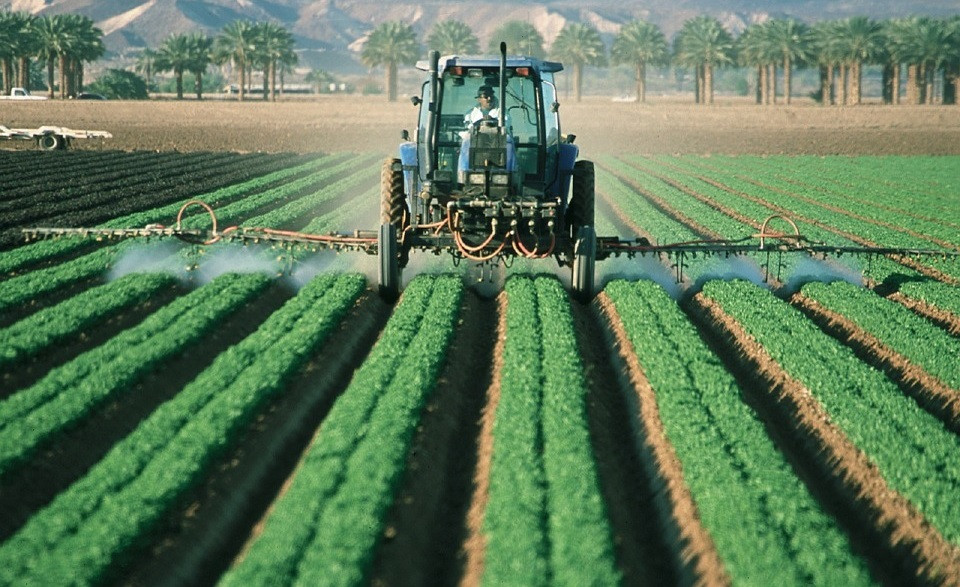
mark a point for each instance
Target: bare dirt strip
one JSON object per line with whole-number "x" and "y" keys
{"x": 946, "y": 320}
{"x": 428, "y": 523}
{"x": 475, "y": 544}
{"x": 196, "y": 542}
{"x": 903, "y": 544}
{"x": 697, "y": 560}
{"x": 930, "y": 392}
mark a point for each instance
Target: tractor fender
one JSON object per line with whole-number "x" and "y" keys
{"x": 409, "y": 160}
{"x": 568, "y": 157}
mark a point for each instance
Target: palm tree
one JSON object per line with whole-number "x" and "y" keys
{"x": 703, "y": 44}
{"x": 175, "y": 55}
{"x": 235, "y": 44}
{"x": 391, "y": 44}
{"x": 272, "y": 44}
{"x": 579, "y": 44}
{"x": 788, "y": 38}
{"x": 755, "y": 48}
{"x": 9, "y": 35}
{"x": 53, "y": 39}
{"x": 86, "y": 46}
{"x": 825, "y": 50}
{"x": 18, "y": 44}
{"x": 145, "y": 65}
{"x": 522, "y": 38}
{"x": 859, "y": 40}
{"x": 200, "y": 51}
{"x": 453, "y": 37}
{"x": 640, "y": 43}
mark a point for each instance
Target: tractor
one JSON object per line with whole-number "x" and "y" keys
{"x": 488, "y": 187}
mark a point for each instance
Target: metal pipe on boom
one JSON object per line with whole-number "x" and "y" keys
{"x": 431, "y": 162}
{"x": 503, "y": 87}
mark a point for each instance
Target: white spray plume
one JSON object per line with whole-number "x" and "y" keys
{"x": 229, "y": 258}
{"x": 644, "y": 267}
{"x": 731, "y": 268}
{"x": 810, "y": 269}
{"x": 155, "y": 257}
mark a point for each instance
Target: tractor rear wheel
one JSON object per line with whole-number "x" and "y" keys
{"x": 388, "y": 269}
{"x": 584, "y": 261}
{"x": 580, "y": 210}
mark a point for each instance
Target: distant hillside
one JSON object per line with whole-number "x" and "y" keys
{"x": 330, "y": 32}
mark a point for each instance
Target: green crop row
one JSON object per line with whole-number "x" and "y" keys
{"x": 87, "y": 528}
{"x": 325, "y": 528}
{"x": 70, "y": 392}
{"x": 545, "y": 520}
{"x": 941, "y": 295}
{"x": 922, "y": 343}
{"x": 48, "y": 249}
{"x": 19, "y": 290}
{"x": 822, "y": 191}
{"x": 72, "y": 317}
{"x": 765, "y": 523}
{"x": 837, "y": 220}
{"x": 913, "y": 450}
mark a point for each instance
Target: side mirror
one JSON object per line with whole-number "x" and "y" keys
{"x": 571, "y": 138}
{"x": 416, "y": 100}
{"x": 405, "y": 135}
{"x": 555, "y": 107}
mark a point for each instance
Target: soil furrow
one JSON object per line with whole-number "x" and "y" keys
{"x": 427, "y": 526}
{"x": 694, "y": 557}
{"x": 69, "y": 456}
{"x": 475, "y": 543}
{"x": 903, "y": 546}
{"x": 642, "y": 554}
{"x": 930, "y": 392}
{"x": 202, "y": 537}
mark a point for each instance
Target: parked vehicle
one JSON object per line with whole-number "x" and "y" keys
{"x": 21, "y": 94}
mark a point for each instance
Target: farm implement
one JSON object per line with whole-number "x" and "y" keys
{"x": 490, "y": 180}
{"x": 51, "y": 138}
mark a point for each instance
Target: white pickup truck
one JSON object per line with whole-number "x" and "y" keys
{"x": 21, "y": 94}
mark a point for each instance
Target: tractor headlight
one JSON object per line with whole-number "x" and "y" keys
{"x": 500, "y": 179}
{"x": 476, "y": 178}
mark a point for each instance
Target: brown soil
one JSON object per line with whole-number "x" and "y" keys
{"x": 199, "y": 540}
{"x": 427, "y": 525}
{"x": 911, "y": 548}
{"x": 370, "y": 123}
{"x": 475, "y": 544}
{"x": 696, "y": 559}
{"x": 930, "y": 392}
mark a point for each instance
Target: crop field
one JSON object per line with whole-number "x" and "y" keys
{"x": 173, "y": 413}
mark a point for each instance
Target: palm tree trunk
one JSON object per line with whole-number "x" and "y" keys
{"x": 922, "y": 83}
{"x": 699, "y": 84}
{"x": 24, "y": 73}
{"x": 708, "y": 83}
{"x": 273, "y": 80}
{"x": 198, "y": 84}
{"x": 63, "y": 76}
{"x": 949, "y": 73}
{"x": 773, "y": 82}
{"x": 844, "y": 83}
{"x": 179, "y": 74}
{"x": 895, "y": 84}
{"x": 857, "y": 83}
{"x": 391, "y": 81}
{"x": 641, "y": 82}
{"x": 578, "y": 81}
{"x": 5, "y": 72}
{"x": 928, "y": 79}
{"x": 913, "y": 93}
{"x": 761, "y": 78}
{"x": 786, "y": 79}
{"x": 825, "y": 71}
{"x": 50, "y": 78}
{"x": 243, "y": 80}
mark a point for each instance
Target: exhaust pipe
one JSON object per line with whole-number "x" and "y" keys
{"x": 503, "y": 86}
{"x": 431, "y": 163}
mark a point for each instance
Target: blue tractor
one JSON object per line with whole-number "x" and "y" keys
{"x": 488, "y": 185}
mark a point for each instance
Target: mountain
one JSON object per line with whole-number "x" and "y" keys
{"x": 330, "y": 32}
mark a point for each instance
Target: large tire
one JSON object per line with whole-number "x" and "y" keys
{"x": 388, "y": 270}
{"x": 393, "y": 202}
{"x": 580, "y": 210}
{"x": 51, "y": 142}
{"x": 584, "y": 262}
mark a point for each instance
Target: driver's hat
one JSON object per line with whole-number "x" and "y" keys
{"x": 485, "y": 91}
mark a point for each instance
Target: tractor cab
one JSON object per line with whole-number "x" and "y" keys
{"x": 487, "y": 174}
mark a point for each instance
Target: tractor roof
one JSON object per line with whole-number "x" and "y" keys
{"x": 492, "y": 61}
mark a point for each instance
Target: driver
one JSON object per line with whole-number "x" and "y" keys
{"x": 486, "y": 108}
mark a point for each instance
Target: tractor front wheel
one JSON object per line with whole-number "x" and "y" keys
{"x": 388, "y": 255}
{"x": 580, "y": 210}
{"x": 584, "y": 261}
